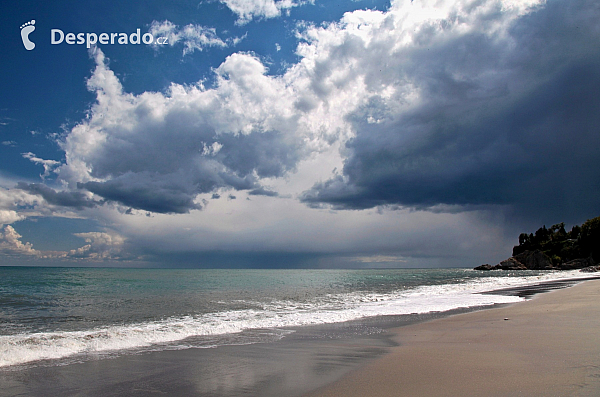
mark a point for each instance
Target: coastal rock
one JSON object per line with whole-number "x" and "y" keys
{"x": 485, "y": 267}
{"x": 534, "y": 260}
{"x": 579, "y": 263}
{"x": 510, "y": 264}
{"x": 591, "y": 269}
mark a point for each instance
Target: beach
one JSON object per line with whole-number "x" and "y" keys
{"x": 546, "y": 346}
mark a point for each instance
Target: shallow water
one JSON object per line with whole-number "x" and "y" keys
{"x": 62, "y": 315}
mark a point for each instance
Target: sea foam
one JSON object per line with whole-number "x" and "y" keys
{"x": 275, "y": 315}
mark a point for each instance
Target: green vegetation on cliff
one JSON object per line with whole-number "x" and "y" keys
{"x": 562, "y": 246}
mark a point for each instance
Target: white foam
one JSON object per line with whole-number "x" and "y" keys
{"x": 24, "y": 348}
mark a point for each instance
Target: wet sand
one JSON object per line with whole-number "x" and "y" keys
{"x": 309, "y": 358}
{"x": 547, "y": 346}
{"x": 303, "y": 361}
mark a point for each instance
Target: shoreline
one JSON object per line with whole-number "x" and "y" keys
{"x": 311, "y": 358}
{"x": 546, "y": 346}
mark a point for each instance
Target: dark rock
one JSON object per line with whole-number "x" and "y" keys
{"x": 578, "y": 263}
{"x": 535, "y": 260}
{"x": 591, "y": 269}
{"x": 484, "y": 267}
{"x": 510, "y": 264}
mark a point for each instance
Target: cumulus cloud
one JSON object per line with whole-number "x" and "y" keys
{"x": 466, "y": 103}
{"x": 9, "y": 216}
{"x": 35, "y": 199}
{"x": 158, "y": 151}
{"x": 10, "y": 244}
{"x": 246, "y": 10}
{"x": 193, "y": 37}
{"x": 26, "y": 200}
{"x": 437, "y": 104}
{"x": 100, "y": 246}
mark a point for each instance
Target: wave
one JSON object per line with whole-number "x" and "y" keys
{"x": 272, "y": 316}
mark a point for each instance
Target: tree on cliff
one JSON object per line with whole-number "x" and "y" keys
{"x": 562, "y": 246}
{"x": 589, "y": 240}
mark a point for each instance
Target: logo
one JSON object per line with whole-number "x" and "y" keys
{"x": 26, "y": 29}
{"x": 57, "y": 36}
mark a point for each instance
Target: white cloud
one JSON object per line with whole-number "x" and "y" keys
{"x": 49, "y": 165}
{"x": 157, "y": 151}
{"x": 15, "y": 205}
{"x": 6, "y": 120}
{"x": 193, "y": 37}
{"x": 246, "y": 10}
{"x": 9, "y": 216}
{"x": 101, "y": 246}
{"x": 10, "y": 244}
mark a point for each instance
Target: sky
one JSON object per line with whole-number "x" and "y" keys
{"x": 294, "y": 133}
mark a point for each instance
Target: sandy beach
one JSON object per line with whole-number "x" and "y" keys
{"x": 547, "y": 346}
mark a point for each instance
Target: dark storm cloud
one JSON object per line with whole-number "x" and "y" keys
{"x": 73, "y": 199}
{"x": 512, "y": 121}
{"x": 167, "y": 190}
{"x": 146, "y": 195}
{"x": 263, "y": 192}
{"x": 269, "y": 153}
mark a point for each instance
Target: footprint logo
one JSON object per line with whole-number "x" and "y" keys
{"x": 27, "y": 28}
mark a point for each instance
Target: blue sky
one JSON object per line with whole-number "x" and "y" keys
{"x": 295, "y": 133}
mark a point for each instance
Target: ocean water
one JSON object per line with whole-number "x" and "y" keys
{"x": 53, "y": 316}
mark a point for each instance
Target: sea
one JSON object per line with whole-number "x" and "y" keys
{"x": 57, "y": 316}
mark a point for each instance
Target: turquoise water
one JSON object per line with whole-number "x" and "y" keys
{"x": 55, "y": 313}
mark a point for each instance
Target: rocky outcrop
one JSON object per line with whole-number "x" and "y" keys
{"x": 579, "y": 263}
{"x": 591, "y": 269}
{"x": 508, "y": 264}
{"x": 511, "y": 264}
{"x": 484, "y": 267}
{"x": 528, "y": 260}
{"x": 535, "y": 260}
